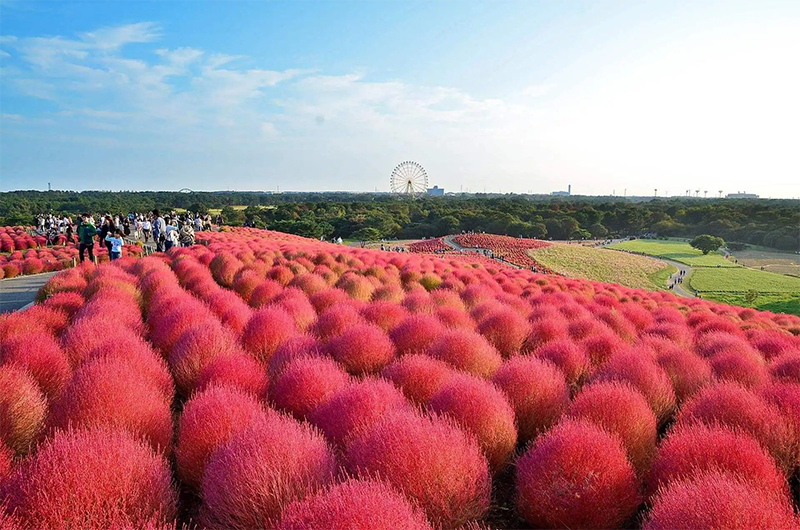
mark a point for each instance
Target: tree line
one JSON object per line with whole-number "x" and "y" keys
{"x": 772, "y": 223}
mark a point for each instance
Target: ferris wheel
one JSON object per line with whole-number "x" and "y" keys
{"x": 409, "y": 178}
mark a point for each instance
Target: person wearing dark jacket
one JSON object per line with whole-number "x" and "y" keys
{"x": 86, "y": 233}
{"x": 105, "y": 229}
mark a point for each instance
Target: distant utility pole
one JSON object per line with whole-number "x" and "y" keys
{"x": 720, "y": 194}
{"x": 696, "y": 193}
{"x": 705, "y": 194}
{"x": 48, "y": 187}
{"x": 656, "y": 190}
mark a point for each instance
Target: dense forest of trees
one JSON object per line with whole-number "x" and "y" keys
{"x": 772, "y": 223}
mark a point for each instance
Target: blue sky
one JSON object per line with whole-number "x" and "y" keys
{"x": 502, "y": 96}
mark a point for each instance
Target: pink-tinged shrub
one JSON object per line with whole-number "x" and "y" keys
{"x": 356, "y": 407}
{"x": 354, "y": 504}
{"x": 22, "y": 409}
{"x": 296, "y": 305}
{"x": 419, "y": 302}
{"x": 785, "y": 396}
{"x": 67, "y": 302}
{"x": 224, "y": 267}
{"x": 42, "y": 357}
{"x": 600, "y": 348}
{"x": 272, "y": 462}
{"x": 749, "y": 371}
{"x": 198, "y": 347}
{"x": 306, "y": 382}
{"x": 415, "y": 333}
{"x": 506, "y": 330}
{"x": 32, "y": 266}
{"x": 264, "y": 293}
{"x": 280, "y": 274}
{"x": 6, "y": 455}
{"x": 623, "y": 411}
{"x": 231, "y": 310}
{"x": 679, "y": 334}
{"x": 86, "y": 335}
{"x": 719, "y": 500}
{"x": 576, "y": 476}
{"x": 268, "y": 328}
{"x": 310, "y": 284}
{"x": 476, "y": 294}
{"x": 294, "y": 348}
{"x": 418, "y": 376}
{"x": 238, "y": 371}
{"x": 536, "y": 390}
{"x": 335, "y": 320}
{"x": 91, "y": 479}
{"x": 37, "y": 319}
{"x": 467, "y": 351}
{"x": 786, "y": 368}
{"x": 690, "y": 451}
{"x": 362, "y": 349}
{"x": 734, "y": 406}
{"x": 105, "y": 392}
{"x": 687, "y": 371}
{"x": 358, "y": 287}
{"x": 449, "y": 477}
{"x": 569, "y": 357}
{"x": 385, "y": 315}
{"x": 455, "y": 318}
{"x": 482, "y": 409}
{"x": 322, "y": 300}
{"x": 209, "y": 419}
{"x": 10, "y": 270}
{"x": 643, "y": 374}
{"x": 772, "y": 343}
{"x": 245, "y": 283}
{"x": 714, "y": 343}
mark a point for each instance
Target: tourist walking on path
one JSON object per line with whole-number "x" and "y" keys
{"x": 116, "y": 243}
{"x": 106, "y": 229}
{"x": 86, "y": 233}
{"x": 159, "y": 231}
{"x": 187, "y": 234}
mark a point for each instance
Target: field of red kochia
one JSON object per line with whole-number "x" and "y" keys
{"x": 263, "y": 380}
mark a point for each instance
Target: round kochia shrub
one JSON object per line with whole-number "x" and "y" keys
{"x": 569, "y": 357}
{"x": 239, "y": 370}
{"x": 209, "y": 419}
{"x": 294, "y": 348}
{"x": 22, "y": 409}
{"x": 386, "y": 315}
{"x": 505, "y": 329}
{"x": 91, "y": 479}
{"x": 536, "y": 390}
{"x": 418, "y": 376}
{"x": 362, "y": 349}
{"x": 271, "y": 462}
{"x": 106, "y": 392}
{"x": 467, "y": 351}
{"x": 576, "y": 476}
{"x": 735, "y": 406}
{"x": 480, "y": 408}
{"x": 416, "y": 333}
{"x": 433, "y": 462}
{"x": 268, "y": 328}
{"x": 719, "y": 500}
{"x": 198, "y": 347}
{"x": 6, "y": 455}
{"x": 355, "y": 407}
{"x": 306, "y": 382}
{"x": 336, "y": 320}
{"x": 354, "y": 504}
{"x": 688, "y": 371}
{"x": 690, "y": 451}
{"x": 621, "y": 410}
{"x": 42, "y": 357}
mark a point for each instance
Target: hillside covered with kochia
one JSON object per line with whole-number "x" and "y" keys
{"x": 415, "y": 391}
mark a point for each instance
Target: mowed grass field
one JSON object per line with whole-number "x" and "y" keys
{"x": 772, "y": 261}
{"x": 776, "y": 292}
{"x": 604, "y": 265}
{"x": 675, "y": 250}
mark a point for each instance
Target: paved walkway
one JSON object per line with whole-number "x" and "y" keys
{"x": 448, "y": 240}
{"x": 678, "y": 289}
{"x": 16, "y": 293}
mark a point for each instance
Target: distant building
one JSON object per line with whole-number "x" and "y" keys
{"x": 563, "y": 193}
{"x": 437, "y": 191}
{"x": 743, "y": 195}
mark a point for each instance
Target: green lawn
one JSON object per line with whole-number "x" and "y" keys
{"x": 674, "y": 250}
{"x": 776, "y": 292}
{"x": 604, "y": 265}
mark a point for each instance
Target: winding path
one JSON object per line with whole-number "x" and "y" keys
{"x": 448, "y": 240}
{"x": 682, "y": 267}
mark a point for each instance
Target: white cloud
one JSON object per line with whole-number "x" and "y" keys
{"x": 110, "y": 38}
{"x": 538, "y": 90}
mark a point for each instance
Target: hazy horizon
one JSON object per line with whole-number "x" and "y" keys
{"x": 524, "y": 97}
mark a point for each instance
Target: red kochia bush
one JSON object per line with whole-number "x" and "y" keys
{"x": 467, "y": 351}
{"x": 620, "y": 410}
{"x": 268, "y": 328}
{"x": 335, "y": 320}
{"x": 198, "y": 347}
{"x": 355, "y": 407}
{"x": 273, "y": 461}
{"x": 264, "y": 293}
{"x": 735, "y": 406}
{"x": 66, "y": 301}
{"x": 306, "y": 382}
{"x": 386, "y": 315}
{"x": 209, "y": 419}
{"x": 576, "y": 476}
{"x": 690, "y": 451}
{"x": 418, "y": 376}
{"x": 480, "y": 408}
{"x": 86, "y": 335}
{"x": 362, "y": 349}
{"x": 536, "y": 390}
{"x": 688, "y": 372}
{"x": 719, "y": 500}
{"x": 42, "y": 357}
{"x": 505, "y": 329}
{"x": 294, "y": 348}
{"x": 354, "y": 504}
{"x": 6, "y": 455}
{"x": 569, "y": 357}
{"x": 91, "y": 479}
{"x": 106, "y": 392}
{"x": 786, "y": 368}
{"x": 416, "y": 333}
{"x": 22, "y": 409}
{"x": 430, "y": 460}
{"x": 644, "y": 375}
{"x": 747, "y": 370}
{"x": 239, "y": 371}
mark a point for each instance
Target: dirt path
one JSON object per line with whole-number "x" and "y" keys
{"x": 16, "y": 293}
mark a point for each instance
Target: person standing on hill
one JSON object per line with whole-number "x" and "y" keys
{"x": 86, "y": 233}
{"x": 159, "y": 231}
{"x": 106, "y": 229}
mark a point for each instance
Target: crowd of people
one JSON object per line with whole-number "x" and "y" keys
{"x": 152, "y": 228}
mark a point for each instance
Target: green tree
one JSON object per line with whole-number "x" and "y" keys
{"x": 366, "y": 234}
{"x": 598, "y": 231}
{"x": 707, "y": 243}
